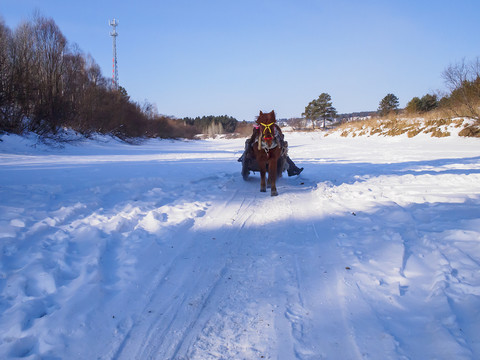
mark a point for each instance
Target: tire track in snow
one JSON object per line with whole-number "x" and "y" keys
{"x": 211, "y": 303}
{"x": 147, "y": 323}
{"x": 209, "y": 334}
{"x": 182, "y": 304}
{"x": 244, "y": 325}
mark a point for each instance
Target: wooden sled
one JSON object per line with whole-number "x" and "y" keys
{"x": 249, "y": 163}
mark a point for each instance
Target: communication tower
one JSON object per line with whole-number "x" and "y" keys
{"x": 114, "y": 23}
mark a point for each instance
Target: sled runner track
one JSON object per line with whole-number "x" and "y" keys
{"x": 138, "y": 326}
{"x": 246, "y": 313}
{"x": 240, "y": 220}
{"x": 295, "y": 311}
{"x": 183, "y": 301}
{"x": 157, "y": 341}
{"x": 185, "y": 339}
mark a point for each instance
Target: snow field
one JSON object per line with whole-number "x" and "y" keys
{"x": 161, "y": 250}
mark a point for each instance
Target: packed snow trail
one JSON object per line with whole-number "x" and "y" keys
{"x": 162, "y": 251}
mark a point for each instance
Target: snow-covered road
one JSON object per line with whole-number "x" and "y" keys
{"x": 163, "y": 251}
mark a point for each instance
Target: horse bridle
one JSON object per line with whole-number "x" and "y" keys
{"x": 271, "y": 131}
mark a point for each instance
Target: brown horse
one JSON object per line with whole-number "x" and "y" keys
{"x": 267, "y": 151}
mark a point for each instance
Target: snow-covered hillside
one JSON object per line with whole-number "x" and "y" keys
{"x": 162, "y": 251}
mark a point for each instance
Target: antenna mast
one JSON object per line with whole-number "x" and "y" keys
{"x": 114, "y": 23}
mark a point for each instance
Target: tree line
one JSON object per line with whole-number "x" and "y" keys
{"x": 46, "y": 84}
{"x": 213, "y": 124}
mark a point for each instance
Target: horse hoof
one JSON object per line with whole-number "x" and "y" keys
{"x": 263, "y": 190}
{"x": 274, "y": 193}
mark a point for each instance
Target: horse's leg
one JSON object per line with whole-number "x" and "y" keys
{"x": 272, "y": 175}
{"x": 263, "y": 170}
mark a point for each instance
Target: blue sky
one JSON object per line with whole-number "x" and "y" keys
{"x": 194, "y": 58}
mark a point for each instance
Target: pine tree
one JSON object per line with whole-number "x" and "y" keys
{"x": 388, "y": 104}
{"x": 320, "y": 108}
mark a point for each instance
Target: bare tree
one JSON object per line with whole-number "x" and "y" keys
{"x": 6, "y": 108}
{"x": 50, "y": 47}
{"x": 24, "y": 70}
{"x": 463, "y": 80}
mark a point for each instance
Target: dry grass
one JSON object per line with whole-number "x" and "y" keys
{"x": 434, "y": 123}
{"x": 470, "y": 131}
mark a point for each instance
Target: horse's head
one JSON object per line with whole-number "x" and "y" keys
{"x": 267, "y": 125}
